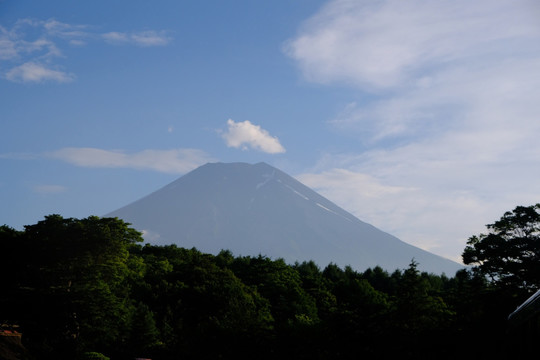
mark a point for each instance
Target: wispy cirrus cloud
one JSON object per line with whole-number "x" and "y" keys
{"x": 430, "y": 65}
{"x": 451, "y": 116}
{"x": 142, "y": 38}
{"x": 30, "y": 51}
{"x": 246, "y": 135}
{"x": 175, "y": 161}
{"x": 383, "y": 44}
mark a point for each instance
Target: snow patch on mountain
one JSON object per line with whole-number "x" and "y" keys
{"x": 294, "y": 190}
{"x": 268, "y": 178}
{"x": 332, "y": 211}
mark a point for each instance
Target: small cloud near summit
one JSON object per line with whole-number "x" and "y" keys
{"x": 246, "y": 135}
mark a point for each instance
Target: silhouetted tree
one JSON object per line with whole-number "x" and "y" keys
{"x": 509, "y": 254}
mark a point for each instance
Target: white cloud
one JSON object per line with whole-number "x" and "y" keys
{"x": 450, "y": 129}
{"x": 150, "y": 38}
{"x": 57, "y": 28}
{"x": 381, "y": 44}
{"x": 150, "y": 236}
{"x": 142, "y": 38}
{"x": 247, "y": 135}
{"x": 77, "y": 42}
{"x": 116, "y": 37}
{"x": 30, "y": 49}
{"x": 8, "y": 48}
{"x": 37, "y": 73}
{"x": 176, "y": 161}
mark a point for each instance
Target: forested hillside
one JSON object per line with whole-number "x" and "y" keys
{"x": 80, "y": 287}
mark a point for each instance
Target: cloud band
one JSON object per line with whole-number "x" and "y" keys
{"x": 176, "y": 161}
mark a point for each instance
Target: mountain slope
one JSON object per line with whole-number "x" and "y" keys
{"x": 258, "y": 209}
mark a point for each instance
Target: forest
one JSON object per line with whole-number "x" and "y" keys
{"x": 91, "y": 289}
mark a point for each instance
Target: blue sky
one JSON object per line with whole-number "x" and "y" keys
{"x": 420, "y": 117}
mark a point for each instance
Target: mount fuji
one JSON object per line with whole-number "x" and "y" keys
{"x": 258, "y": 209}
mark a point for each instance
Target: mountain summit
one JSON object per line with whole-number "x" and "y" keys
{"x": 258, "y": 209}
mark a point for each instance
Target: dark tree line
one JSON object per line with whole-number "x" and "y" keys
{"x": 80, "y": 288}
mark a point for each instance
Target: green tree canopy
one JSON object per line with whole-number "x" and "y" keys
{"x": 78, "y": 289}
{"x": 69, "y": 290}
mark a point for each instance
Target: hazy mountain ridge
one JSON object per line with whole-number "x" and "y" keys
{"x": 258, "y": 209}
